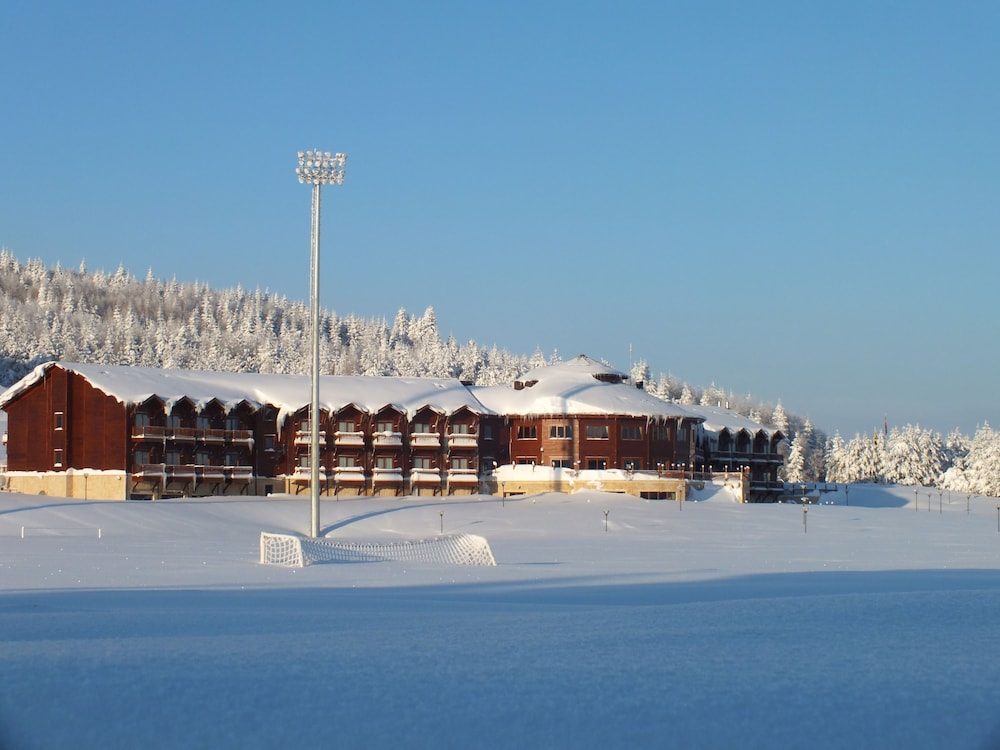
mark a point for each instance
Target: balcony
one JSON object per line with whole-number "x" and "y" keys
{"x": 210, "y": 435}
{"x": 238, "y": 473}
{"x": 209, "y": 474}
{"x": 387, "y": 439}
{"x": 348, "y": 438}
{"x": 425, "y": 439}
{"x": 182, "y": 434}
{"x": 462, "y": 476}
{"x": 180, "y": 472}
{"x": 382, "y": 477}
{"x": 244, "y": 437}
{"x": 425, "y": 477}
{"x": 148, "y": 432}
{"x": 304, "y": 438}
{"x": 349, "y": 475}
{"x": 148, "y": 472}
{"x": 463, "y": 440}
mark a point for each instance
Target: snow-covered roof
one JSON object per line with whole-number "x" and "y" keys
{"x": 578, "y": 386}
{"x": 718, "y": 418}
{"x": 289, "y": 393}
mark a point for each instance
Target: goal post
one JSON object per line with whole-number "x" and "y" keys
{"x": 454, "y": 549}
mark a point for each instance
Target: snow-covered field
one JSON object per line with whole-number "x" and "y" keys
{"x": 609, "y": 621}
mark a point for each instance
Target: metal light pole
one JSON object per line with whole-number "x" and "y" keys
{"x": 317, "y": 168}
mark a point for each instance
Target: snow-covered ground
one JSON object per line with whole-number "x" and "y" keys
{"x": 609, "y": 621}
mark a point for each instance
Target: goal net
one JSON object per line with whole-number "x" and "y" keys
{"x": 296, "y": 551}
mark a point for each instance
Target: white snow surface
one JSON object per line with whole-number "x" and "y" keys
{"x": 571, "y": 388}
{"x": 609, "y": 621}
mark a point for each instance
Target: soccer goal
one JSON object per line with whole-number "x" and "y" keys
{"x": 297, "y": 552}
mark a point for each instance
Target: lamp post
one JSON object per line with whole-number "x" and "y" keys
{"x": 317, "y": 168}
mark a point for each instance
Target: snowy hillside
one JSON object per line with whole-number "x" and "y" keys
{"x": 608, "y": 622}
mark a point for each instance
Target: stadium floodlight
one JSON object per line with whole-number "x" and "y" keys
{"x": 316, "y": 168}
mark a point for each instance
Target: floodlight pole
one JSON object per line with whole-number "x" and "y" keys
{"x": 317, "y": 168}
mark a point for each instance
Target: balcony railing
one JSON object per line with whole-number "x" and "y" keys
{"x": 425, "y": 439}
{"x": 387, "y": 439}
{"x": 462, "y": 476}
{"x": 425, "y": 476}
{"x": 146, "y": 472}
{"x": 238, "y": 473}
{"x": 209, "y": 474}
{"x": 304, "y": 438}
{"x": 190, "y": 434}
{"x": 180, "y": 472}
{"x": 462, "y": 440}
{"x": 148, "y": 432}
{"x": 349, "y": 474}
{"x": 387, "y": 476}
{"x": 348, "y": 438}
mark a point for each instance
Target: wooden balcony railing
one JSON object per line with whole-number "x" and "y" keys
{"x": 348, "y": 438}
{"x": 425, "y": 439}
{"x": 462, "y": 440}
{"x": 387, "y": 439}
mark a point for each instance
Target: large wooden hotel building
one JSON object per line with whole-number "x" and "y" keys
{"x": 116, "y": 432}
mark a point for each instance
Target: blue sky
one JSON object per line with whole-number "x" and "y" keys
{"x": 793, "y": 200}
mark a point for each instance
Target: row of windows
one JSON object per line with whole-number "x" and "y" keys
{"x": 418, "y": 428}
{"x": 201, "y": 422}
{"x": 420, "y": 462}
{"x": 591, "y": 463}
{"x": 591, "y": 432}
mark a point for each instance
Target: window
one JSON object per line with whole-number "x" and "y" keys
{"x": 561, "y": 431}
{"x": 204, "y": 423}
{"x": 561, "y": 463}
{"x": 384, "y": 462}
{"x": 631, "y": 432}
{"x": 141, "y": 456}
{"x": 233, "y": 423}
{"x": 304, "y": 425}
{"x": 269, "y": 442}
{"x": 302, "y": 460}
{"x": 421, "y": 462}
{"x": 202, "y": 458}
{"x": 597, "y": 432}
{"x": 423, "y": 427}
{"x": 659, "y": 432}
{"x": 232, "y": 458}
{"x": 460, "y": 429}
{"x": 346, "y": 462}
{"x": 681, "y": 433}
{"x": 172, "y": 457}
{"x": 57, "y": 459}
{"x": 59, "y": 420}
{"x": 597, "y": 463}
{"x": 141, "y": 419}
{"x": 345, "y": 426}
{"x": 460, "y": 463}
{"x": 527, "y": 432}
{"x": 173, "y": 421}
{"x": 486, "y": 431}
{"x": 633, "y": 464}
{"x": 384, "y": 427}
